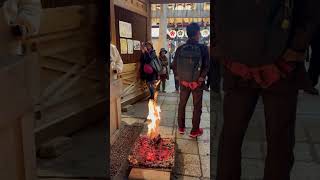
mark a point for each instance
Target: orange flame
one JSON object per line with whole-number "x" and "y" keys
{"x": 154, "y": 116}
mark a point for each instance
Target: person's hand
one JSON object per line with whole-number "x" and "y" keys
{"x": 293, "y": 56}
{"x": 201, "y": 79}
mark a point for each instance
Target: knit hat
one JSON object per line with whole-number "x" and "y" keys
{"x": 149, "y": 42}
{"x": 163, "y": 50}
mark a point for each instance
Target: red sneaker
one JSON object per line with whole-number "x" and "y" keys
{"x": 181, "y": 130}
{"x": 196, "y": 133}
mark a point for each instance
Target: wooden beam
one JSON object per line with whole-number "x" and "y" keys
{"x": 139, "y": 173}
{"x": 60, "y": 19}
{"x": 177, "y": 1}
{"x": 72, "y": 122}
{"x": 68, "y": 84}
{"x": 75, "y": 93}
{"x": 63, "y": 70}
{"x": 130, "y": 7}
{"x": 55, "y": 85}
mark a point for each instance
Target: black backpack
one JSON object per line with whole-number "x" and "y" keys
{"x": 189, "y": 62}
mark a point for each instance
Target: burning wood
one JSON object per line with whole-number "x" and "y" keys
{"x": 152, "y": 151}
{"x": 149, "y": 153}
{"x": 154, "y": 117}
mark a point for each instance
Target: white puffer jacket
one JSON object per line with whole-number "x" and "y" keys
{"x": 25, "y": 13}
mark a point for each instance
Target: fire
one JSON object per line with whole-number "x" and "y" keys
{"x": 154, "y": 116}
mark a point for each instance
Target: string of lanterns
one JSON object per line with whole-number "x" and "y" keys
{"x": 182, "y": 33}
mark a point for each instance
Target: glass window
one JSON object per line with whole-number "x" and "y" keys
{"x": 153, "y": 7}
{"x": 179, "y": 6}
{"x": 206, "y": 7}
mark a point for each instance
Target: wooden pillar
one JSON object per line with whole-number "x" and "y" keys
{"x": 17, "y": 152}
{"x": 112, "y": 23}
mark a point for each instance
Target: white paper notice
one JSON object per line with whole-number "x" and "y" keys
{"x": 125, "y": 29}
{"x": 130, "y": 46}
{"x": 136, "y": 45}
{"x": 123, "y": 46}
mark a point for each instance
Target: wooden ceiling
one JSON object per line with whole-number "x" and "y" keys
{"x": 177, "y": 1}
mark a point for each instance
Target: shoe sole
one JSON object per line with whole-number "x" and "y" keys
{"x": 194, "y": 136}
{"x": 181, "y": 132}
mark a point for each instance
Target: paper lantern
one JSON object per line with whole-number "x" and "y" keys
{"x": 172, "y": 34}
{"x": 205, "y": 33}
{"x": 180, "y": 33}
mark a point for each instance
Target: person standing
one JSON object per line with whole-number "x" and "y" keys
{"x": 19, "y": 20}
{"x": 314, "y": 67}
{"x": 191, "y": 65}
{"x": 115, "y": 60}
{"x": 146, "y": 71}
{"x": 262, "y": 56}
{"x": 165, "y": 72}
{"x": 176, "y": 81}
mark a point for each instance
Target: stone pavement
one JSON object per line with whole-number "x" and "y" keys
{"x": 192, "y": 155}
{"x": 307, "y": 150}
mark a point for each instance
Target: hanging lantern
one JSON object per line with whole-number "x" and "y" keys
{"x": 179, "y": 6}
{"x": 180, "y": 33}
{"x": 205, "y": 33}
{"x": 188, "y": 6}
{"x": 172, "y": 34}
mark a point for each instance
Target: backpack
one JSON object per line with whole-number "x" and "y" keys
{"x": 189, "y": 62}
{"x": 155, "y": 63}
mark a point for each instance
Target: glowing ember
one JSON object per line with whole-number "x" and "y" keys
{"x": 146, "y": 153}
{"x": 154, "y": 116}
{"x": 152, "y": 151}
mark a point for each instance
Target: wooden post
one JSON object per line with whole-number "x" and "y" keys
{"x": 112, "y": 23}
{"x": 17, "y": 152}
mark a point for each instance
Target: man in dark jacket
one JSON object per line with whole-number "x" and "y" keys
{"x": 191, "y": 65}
{"x": 262, "y": 44}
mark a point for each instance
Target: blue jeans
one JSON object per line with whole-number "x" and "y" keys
{"x": 151, "y": 89}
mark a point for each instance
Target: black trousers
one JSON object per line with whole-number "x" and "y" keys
{"x": 197, "y": 95}
{"x": 240, "y": 99}
{"x": 214, "y": 75}
{"x": 314, "y": 68}
{"x": 176, "y": 83}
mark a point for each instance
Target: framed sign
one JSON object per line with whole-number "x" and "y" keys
{"x": 130, "y": 46}
{"x": 125, "y": 29}
{"x": 123, "y": 46}
{"x": 136, "y": 45}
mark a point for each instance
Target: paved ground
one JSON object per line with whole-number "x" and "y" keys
{"x": 193, "y": 155}
{"x": 307, "y": 150}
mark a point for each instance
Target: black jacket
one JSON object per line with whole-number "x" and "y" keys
{"x": 146, "y": 59}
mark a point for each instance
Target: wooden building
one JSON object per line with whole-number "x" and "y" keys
{"x": 137, "y": 14}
